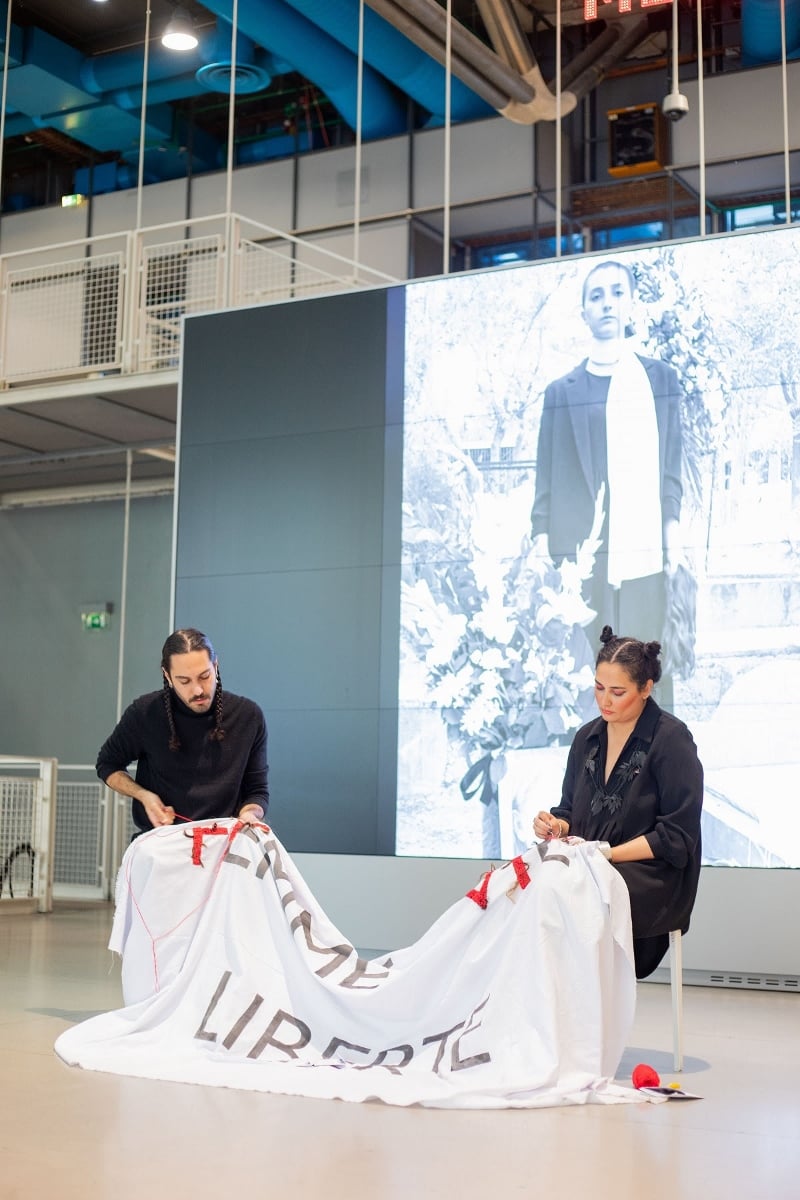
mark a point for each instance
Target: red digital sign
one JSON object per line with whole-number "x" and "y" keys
{"x": 591, "y": 7}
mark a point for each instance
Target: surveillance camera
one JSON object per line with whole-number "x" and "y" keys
{"x": 675, "y": 106}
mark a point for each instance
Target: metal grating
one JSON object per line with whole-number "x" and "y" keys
{"x": 178, "y": 279}
{"x": 272, "y": 271}
{"x": 80, "y": 851}
{"x": 99, "y": 311}
{"x": 19, "y": 835}
{"x": 63, "y": 318}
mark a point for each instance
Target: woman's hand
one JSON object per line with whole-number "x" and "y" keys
{"x": 546, "y": 826}
{"x": 252, "y": 814}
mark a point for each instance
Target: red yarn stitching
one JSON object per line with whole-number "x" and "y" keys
{"x": 521, "y": 871}
{"x": 198, "y": 833}
{"x": 480, "y": 894}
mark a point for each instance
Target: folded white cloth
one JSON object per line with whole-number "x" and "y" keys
{"x": 521, "y": 995}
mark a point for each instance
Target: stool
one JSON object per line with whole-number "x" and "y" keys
{"x": 676, "y": 988}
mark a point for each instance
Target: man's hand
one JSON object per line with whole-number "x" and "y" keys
{"x": 158, "y": 813}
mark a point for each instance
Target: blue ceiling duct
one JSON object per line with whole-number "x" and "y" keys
{"x": 123, "y": 68}
{"x": 390, "y": 52}
{"x": 761, "y": 31}
{"x": 308, "y": 49}
{"x": 97, "y": 99}
{"x": 253, "y": 67}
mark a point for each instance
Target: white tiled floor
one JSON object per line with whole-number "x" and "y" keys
{"x": 82, "y": 1136}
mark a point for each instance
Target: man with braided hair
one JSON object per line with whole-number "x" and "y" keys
{"x": 199, "y": 753}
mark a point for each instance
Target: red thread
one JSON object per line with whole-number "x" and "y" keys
{"x": 480, "y": 894}
{"x": 154, "y": 939}
{"x": 521, "y": 871}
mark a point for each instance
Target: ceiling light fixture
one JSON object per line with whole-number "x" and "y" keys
{"x": 180, "y": 34}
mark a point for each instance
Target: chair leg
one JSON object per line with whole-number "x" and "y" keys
{"x": 676, "y": 987}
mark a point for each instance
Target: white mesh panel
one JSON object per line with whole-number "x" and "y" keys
{"x": 272, "y": 271}
{"x": 64, "y": 318}
{"x": 18, "y": 836}
{"x": 79, "y": 847}
{"x": 178, "y": 279}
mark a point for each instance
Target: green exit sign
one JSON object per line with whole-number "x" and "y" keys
{"x": 97, "y": 619}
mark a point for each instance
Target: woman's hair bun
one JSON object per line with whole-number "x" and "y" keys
{"x": 606, "y": 634}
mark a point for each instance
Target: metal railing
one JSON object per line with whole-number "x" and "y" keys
{"x": 82, "y": 867}
{"x": 27, "y": 829}
{"x": 114, "y": 304}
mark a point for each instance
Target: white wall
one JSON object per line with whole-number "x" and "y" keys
{"x": 743, "y": 116}
{"x": 383, "y": 247}
{"x": 43, "y": 227}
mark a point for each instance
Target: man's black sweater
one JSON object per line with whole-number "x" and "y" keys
{"x": 203, "y": 778}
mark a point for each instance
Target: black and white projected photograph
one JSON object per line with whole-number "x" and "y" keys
{"x": 602, "y": 441}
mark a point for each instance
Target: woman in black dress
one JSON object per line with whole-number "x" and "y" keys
{"x": 634, "y": 780}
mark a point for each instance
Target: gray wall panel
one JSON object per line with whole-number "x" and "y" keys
{"x": 331, "y": 478}
{"x": 288, "y": 545}
{"x": 60, "y": 688}
{"x": 299, "y": 640}
{"x": 323, "y": 780}
{"x": 299, "y": 367}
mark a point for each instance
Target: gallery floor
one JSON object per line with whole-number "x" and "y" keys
{"x": 78, "y": 1135}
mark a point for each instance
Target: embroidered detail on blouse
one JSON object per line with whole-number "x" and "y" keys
{"x": 622, "y": 775}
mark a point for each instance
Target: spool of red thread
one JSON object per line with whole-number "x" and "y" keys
{"x": 644, "y": 1076}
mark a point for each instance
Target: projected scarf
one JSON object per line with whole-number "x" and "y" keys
{"x": 520, "y": 995}
{"x": 635, "y": 537}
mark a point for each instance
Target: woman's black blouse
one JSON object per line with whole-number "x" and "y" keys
{"x": 654, "y": 791}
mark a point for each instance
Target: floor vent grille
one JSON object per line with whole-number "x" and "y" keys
{"x": 733, "y": 979}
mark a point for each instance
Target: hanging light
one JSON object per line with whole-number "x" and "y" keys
{"x": 179, "y": 34}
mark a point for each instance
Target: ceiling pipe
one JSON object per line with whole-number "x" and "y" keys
{"x": 496, "y": 96}
{"x": 416, "y": 73}
{"x": 507, "y": 35}
{"x": 466, "y": 47}
{"x": 86, "y": 493}
{"x": 589, "y": 55}
{"x": 584, "y": 73}
{"x": 512, "y": 45}
{"x": 528, "y": 99}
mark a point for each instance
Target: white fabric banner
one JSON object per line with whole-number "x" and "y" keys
{"x": 521, "y": 995}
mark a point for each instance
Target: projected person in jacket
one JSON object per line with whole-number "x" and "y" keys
{"x": 610, "y": 429}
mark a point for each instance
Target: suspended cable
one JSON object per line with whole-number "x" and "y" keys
{"x": 6, "y": 53}
{"x": 785, "y": 92}
{"x": 231, "y": 113}
{"x": 701, "y": 119}
{"x": 143, "y": 117}
{"x": 123, "y": 605}
{"x": 448, "y": 78}
{"x": 558, "y": 130}
{"x": 359, "y": 115}
{"x": 230, "y": 239}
